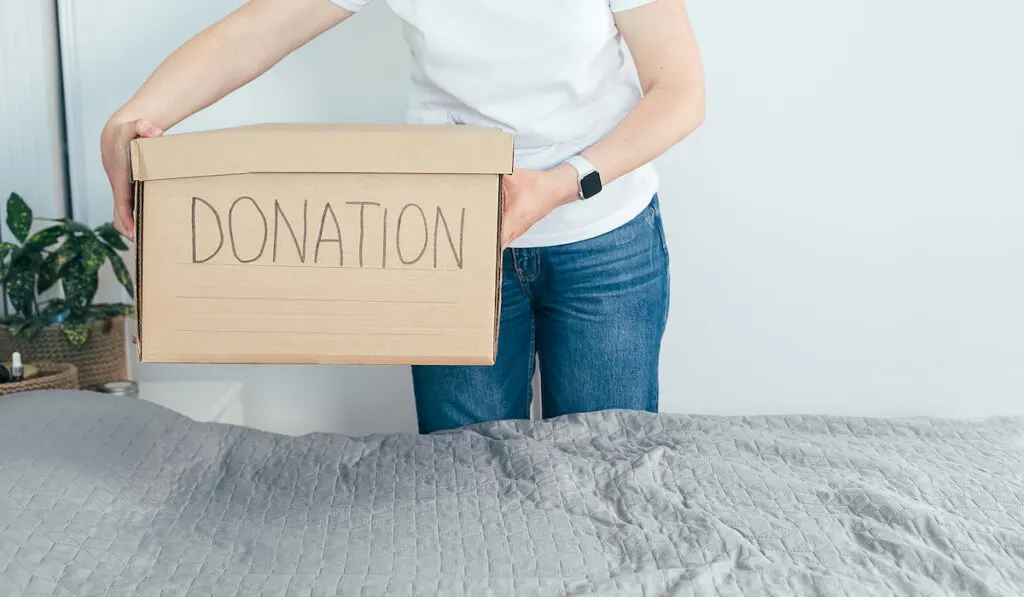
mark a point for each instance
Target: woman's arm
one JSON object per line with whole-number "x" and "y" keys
{"x": 668, "y": 63}
{"x": 217, "y": 61}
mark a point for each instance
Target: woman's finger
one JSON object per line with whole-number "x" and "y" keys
{"x": 144, "y": 128}
{"x": 124, "y": 221}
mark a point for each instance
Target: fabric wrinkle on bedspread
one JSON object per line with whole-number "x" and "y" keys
{"x": 104, "y": 495}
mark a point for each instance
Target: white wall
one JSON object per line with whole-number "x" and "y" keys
{"x": 845, "y": 229}
{"x": 31, "y": 140}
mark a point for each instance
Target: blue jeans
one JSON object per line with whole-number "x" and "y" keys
{"x": 593, "y": 312}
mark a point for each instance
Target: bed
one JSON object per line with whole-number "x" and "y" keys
{"x": 103, "y": 495}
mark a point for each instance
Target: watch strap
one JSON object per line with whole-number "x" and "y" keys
{"x": 582, "y": 166}
{"x": 583, "y": 169}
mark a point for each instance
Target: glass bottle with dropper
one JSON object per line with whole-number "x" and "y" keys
{"x": 17, "y": 370}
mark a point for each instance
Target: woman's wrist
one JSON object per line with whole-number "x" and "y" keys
{"x": 563, "y": 184}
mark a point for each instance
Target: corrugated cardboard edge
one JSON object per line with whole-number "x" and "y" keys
{"x": 498, "y": 276}
{"x": 501, "y": 250}
{"x": 135, "y": 161}
{"x": 445, "y": 149}
{"x": 277, "y": 359}
{"x": 137, "y": 193}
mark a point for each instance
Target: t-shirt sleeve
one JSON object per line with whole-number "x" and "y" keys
{"x": 355, "y": 5}
{"x": 621, "y": 5}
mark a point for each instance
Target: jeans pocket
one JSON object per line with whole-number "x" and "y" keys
{"x": 659, "y": 227}
{"x": 659, "y": 231}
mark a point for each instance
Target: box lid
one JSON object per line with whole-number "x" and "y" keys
{"x": 330, "y": 148}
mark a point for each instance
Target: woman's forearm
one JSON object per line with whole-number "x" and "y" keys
{"x": 660, "y": 120}
{"x": 226, "y": 56}
{"x": 668, "y": 63}
{"x": 195, "y": 76}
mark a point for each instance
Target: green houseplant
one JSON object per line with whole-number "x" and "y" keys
{"x": 67, "y": 326}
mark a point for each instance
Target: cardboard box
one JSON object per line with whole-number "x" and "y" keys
{"x": 333, "y": 244}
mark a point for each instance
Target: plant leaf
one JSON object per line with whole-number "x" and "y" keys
{"x": 27, "y": 328}
{"x": 29, "y": 255}
{"x": 77, "y": 333}
{"x": 92, "y": 252}
{"x": 11, "y": 319}
{"x": 110, "y": 310}
{"x": 43, "y": 239}
{"x": 72, "y": 226}
{"x": 5, "y": 249}
{"x": 112, "y": 237}
{"x": 79, "y": 281}
{"x": 48, "y": 272}
{"x": 53, "y": 306}
{"x": 21, "y": 287}
{"x": 68, "y": 251}
{"x": 68, "y": 224}
{"x": 121, "y": 271}
{"x": 79, "y": 275}
{"x": 19, "y": 217}
{"x": 34, "y": 327}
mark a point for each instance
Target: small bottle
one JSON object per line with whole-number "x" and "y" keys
{"x": 17, "y": 370}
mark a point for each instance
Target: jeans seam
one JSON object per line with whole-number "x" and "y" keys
{"x": 651, "y": 214}
{"x": 521, "y": 277}
{"x": 532, "y": 366}
{"x": 667, "y": 278}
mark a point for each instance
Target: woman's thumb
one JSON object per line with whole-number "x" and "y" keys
{"x": 145, "y": 128}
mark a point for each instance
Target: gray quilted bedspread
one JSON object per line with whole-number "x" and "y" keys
{"x": 110, "y": 496}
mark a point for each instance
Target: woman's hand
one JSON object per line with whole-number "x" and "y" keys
{"x": 532, "y": 194}
{"x": 114, "y": 147}
{"x": 218, "y": 60}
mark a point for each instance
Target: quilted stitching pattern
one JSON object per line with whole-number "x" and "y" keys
{"x": 109, "y": 496}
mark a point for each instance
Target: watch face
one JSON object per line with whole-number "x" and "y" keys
{"x": 590, "y": 185}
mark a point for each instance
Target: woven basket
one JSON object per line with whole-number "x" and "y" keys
{"x": 52, "y": 376}
{"x": 99, "y": 360}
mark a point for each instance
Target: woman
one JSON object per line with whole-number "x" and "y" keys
{"x": 585, "y": 282}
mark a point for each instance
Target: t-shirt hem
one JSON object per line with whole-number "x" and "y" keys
{"x": 624, "y": 5}
{"x": 605, "y": 225}
{"x": 349, "y": 5}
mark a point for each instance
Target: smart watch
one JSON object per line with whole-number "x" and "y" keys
{"x": 588, "y": 179}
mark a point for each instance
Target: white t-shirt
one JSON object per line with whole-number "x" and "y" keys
{"x": 552, "y": 72}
